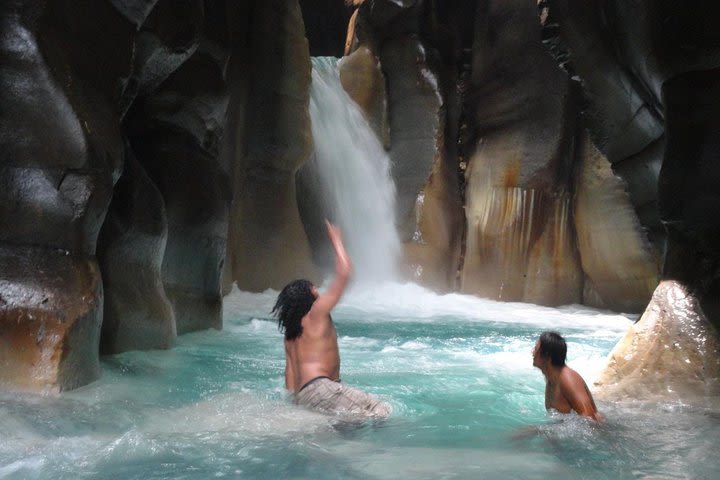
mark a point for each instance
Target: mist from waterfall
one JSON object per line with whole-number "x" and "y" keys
{"x": 354, "y": 173}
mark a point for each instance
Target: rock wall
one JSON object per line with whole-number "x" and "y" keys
{"x": 651, "y": 72}
{"x": 268, "y": 246}
{"x": 118, "y": 176}
{"x": 424, "y": 165}
{"x": 518, "y": 177}
{"x": 483, "y": 120}
{"x": 62, "y": 152}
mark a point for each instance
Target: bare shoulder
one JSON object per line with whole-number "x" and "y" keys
{"x": 570, "y": 378}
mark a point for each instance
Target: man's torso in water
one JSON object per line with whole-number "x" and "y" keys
{"x": 313, "y": 354}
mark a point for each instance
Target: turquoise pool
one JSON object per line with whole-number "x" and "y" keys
{"x": 456, "y": 369}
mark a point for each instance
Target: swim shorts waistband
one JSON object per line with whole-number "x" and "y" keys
{"x": 315, "y": 380}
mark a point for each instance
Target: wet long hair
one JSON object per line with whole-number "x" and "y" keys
{"x": 292, "y": 305}
{"x": 552, "y": 344}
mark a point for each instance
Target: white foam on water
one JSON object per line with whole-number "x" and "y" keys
{"x": 246, "y": 413}
{"x": 409, "y": 302}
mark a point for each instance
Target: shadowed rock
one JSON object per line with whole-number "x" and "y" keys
{"x": 137, "y": 313}
{"x": 621, "y": 271}
{"x": 62, "y": 151}
{"x": 50, "y": 314}
{"x": 424, "y": 167}
{"x": 268, "y": 246}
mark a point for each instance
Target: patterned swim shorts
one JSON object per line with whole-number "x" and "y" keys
{"x": 328, "y": 396}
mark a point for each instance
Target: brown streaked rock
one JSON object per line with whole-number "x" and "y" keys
{"x": 671, "y": 354}
{"x": 520, "y": 246}
{"x": 50, "y": 314}
{"x": 554, "y": 276}
{"x": 524, "y": 117}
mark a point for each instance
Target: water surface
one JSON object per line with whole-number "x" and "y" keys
{"x": 456, "y": 369}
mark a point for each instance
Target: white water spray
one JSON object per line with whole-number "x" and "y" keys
{"x": 354, "y": 171}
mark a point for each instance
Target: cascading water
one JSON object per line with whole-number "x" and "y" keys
{"x": 354, "y": 173}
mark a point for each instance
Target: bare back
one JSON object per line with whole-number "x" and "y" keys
{"x": 315, "y": 352}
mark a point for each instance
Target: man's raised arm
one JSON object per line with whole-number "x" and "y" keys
{"x": 343, "y": 269}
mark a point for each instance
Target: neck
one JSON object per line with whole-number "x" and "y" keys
{"x": 552, "y": 372}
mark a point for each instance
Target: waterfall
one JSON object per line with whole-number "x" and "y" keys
{"x": 354, "y": 175}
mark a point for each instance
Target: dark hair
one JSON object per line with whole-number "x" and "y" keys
{"x": 552, "y": 344}
{"x": 292, "y": 305}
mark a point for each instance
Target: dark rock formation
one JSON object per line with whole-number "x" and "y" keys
{"x": 268, "y": 246}
{"x": 137, "y": 313}
{"x": 326, "y": 24}
{"x": 70, "y": 72}
{"x": 62, "y": 152}
{"x": 650, "y": 71}
{"x": 175, "y": 132}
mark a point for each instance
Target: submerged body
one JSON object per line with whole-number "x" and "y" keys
{"x": 312, "y": 356}
{"x": 565, "y": 389}
{"x": 568, "y": 392}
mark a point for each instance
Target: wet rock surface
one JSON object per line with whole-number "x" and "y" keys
{"x": 672, "y": 352}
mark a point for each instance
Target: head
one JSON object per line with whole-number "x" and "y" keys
{"x": 550, "y": 348}
{"x": 292, "y": 305}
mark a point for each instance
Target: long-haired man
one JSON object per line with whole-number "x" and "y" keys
{"x": 312, "y": 357}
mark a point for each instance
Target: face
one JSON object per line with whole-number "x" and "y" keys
{"x": 537, "y": 358}
{"x": 314, "y": 292}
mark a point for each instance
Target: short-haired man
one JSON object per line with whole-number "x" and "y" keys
{"x": 312, "y": 357}
{"x": 565, "y": 390}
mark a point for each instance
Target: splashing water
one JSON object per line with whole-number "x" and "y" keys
{"x": 355, "y": 175}
{"x": 456, "y": 369}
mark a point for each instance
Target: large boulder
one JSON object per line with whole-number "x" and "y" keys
{"x": 671, "y": 353}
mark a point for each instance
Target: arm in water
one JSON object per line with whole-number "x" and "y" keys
{"x": 575, "y": 390}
